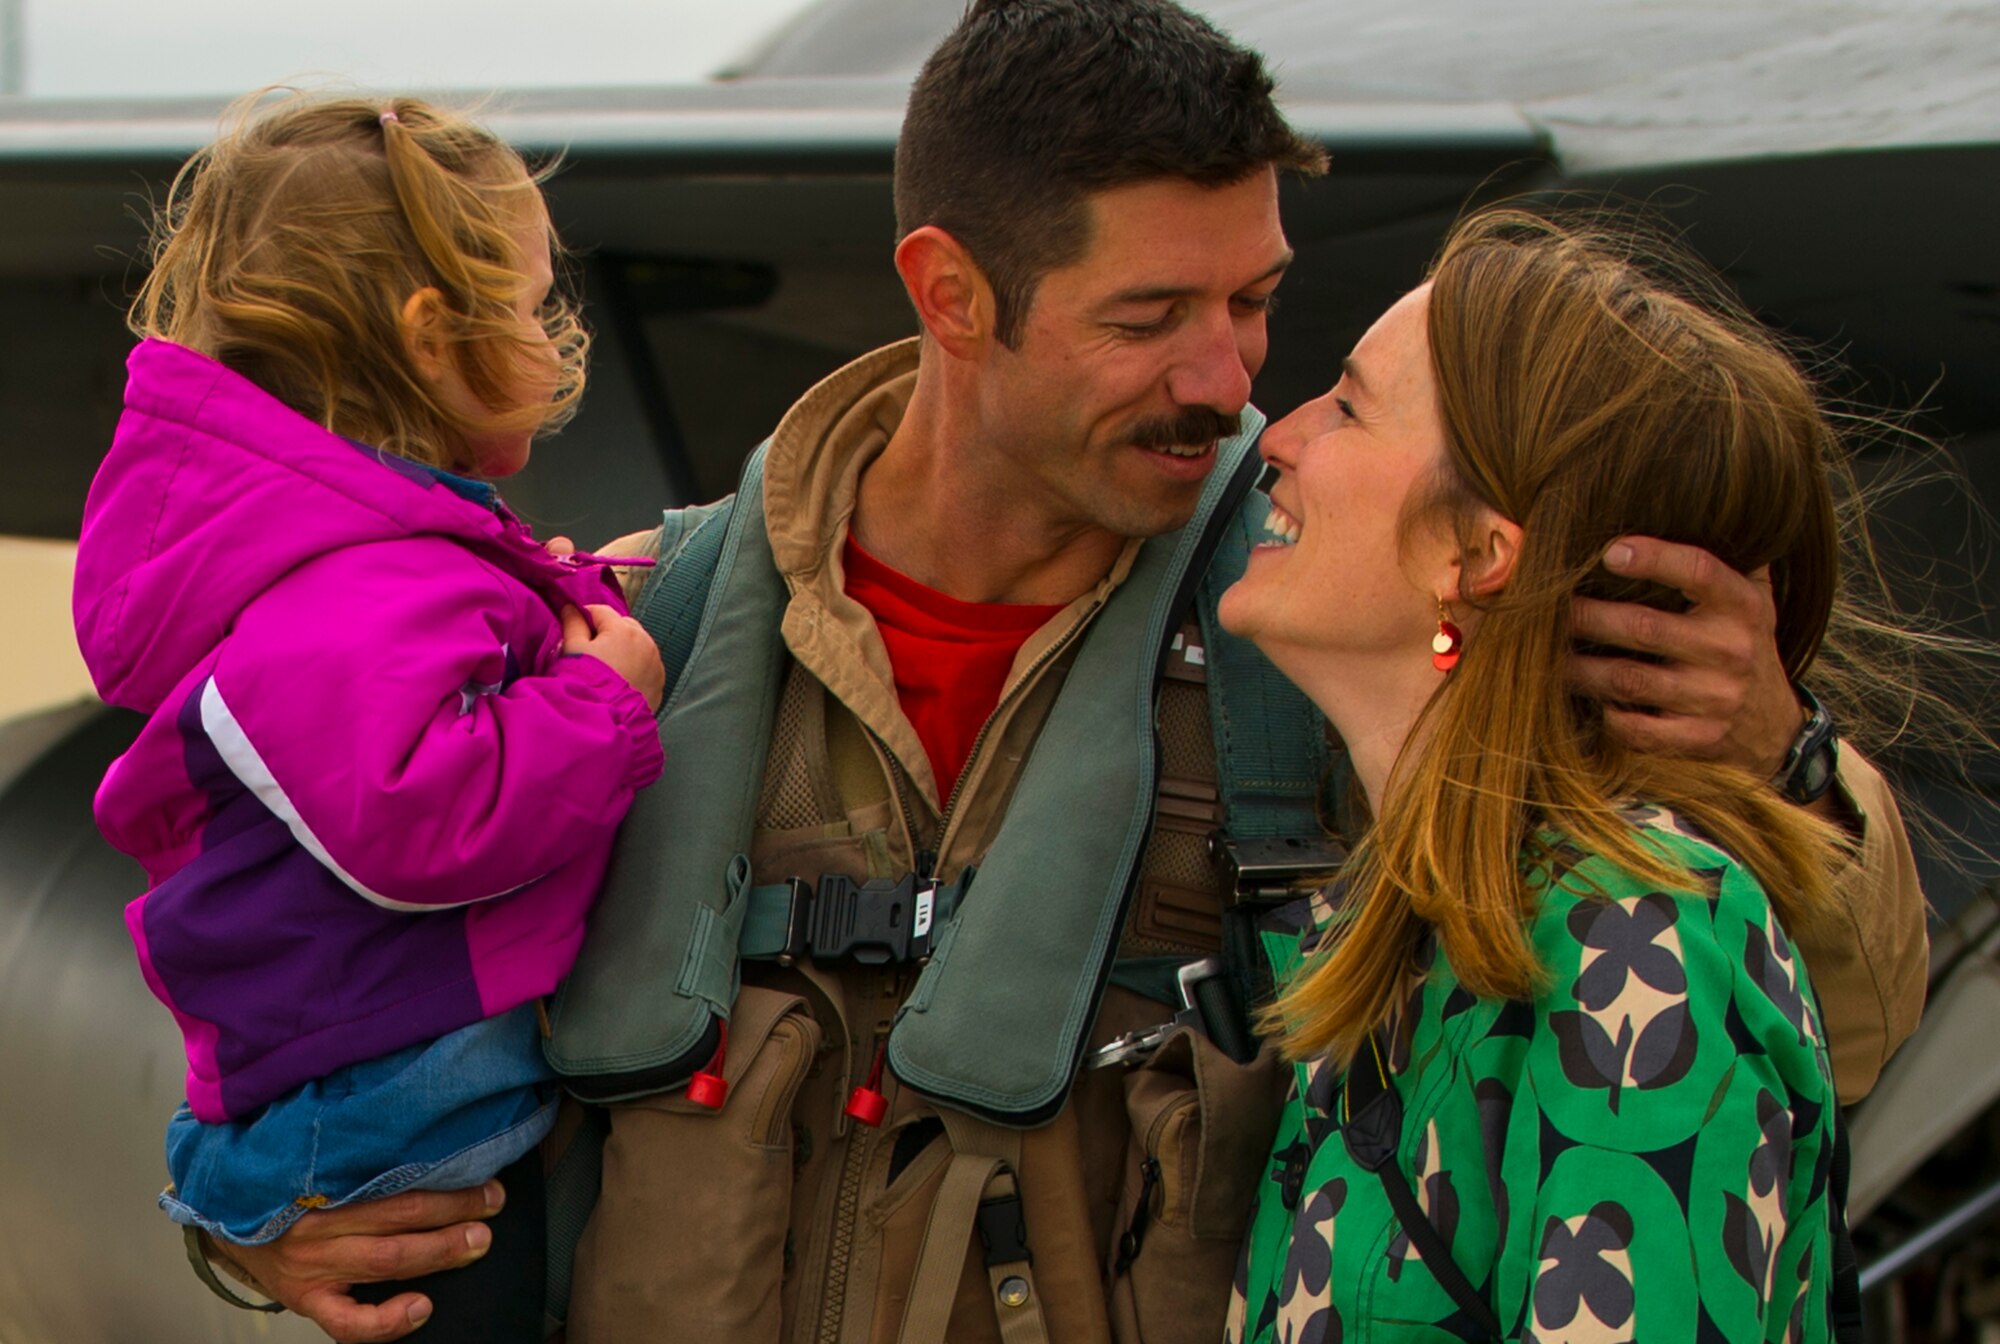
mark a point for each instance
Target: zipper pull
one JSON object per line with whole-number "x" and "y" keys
{"x": 1135, "y": 1235}
{"x": 578, "y": 559}
{"x": 866, "y": 1104}
{"x": 926, "y": 864}
{"x": 708, "y": 1088}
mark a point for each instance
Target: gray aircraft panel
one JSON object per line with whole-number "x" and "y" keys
{"x": 1615, "y": 82}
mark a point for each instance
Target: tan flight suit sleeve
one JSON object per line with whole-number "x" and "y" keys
{"x": 1869, "y": 960}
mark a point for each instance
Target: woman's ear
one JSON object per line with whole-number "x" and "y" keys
{"x": 423, "y": 328}
{"x": 1488, "y": 564}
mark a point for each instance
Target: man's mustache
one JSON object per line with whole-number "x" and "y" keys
{"x": 1190, "y": 427}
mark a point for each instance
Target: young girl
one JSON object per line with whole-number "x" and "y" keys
{"x": 388, "y": 735}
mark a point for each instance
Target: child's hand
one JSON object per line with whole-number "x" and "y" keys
{"x": 559, "y": 546}
{"x": 621, "y": 644}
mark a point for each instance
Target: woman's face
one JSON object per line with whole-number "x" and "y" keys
{"x": 1334, "y": 573}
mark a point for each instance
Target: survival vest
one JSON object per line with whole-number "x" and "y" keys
{"x": 998, "y": 1021}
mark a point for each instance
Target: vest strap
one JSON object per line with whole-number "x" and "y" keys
{"x": 877, "y": 921}
{"x": 1372, "y": 1129}
{"x": 1270, "y": 742}
{"x": 657, "y": 972}
{"x": 573, "y": 1188}
{"x": 1000, "y": 1018}
{"x": 671, "y": 604}
{"x": 980, "y": 1191}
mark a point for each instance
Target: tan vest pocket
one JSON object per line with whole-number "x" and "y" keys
{"x": 1201, "y": 1134}
{"x": 688, "y": 1237}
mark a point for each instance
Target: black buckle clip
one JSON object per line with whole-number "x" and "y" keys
{"x": 1275, "y": 869}
{"x": 1004, "y": 1231}
{"x": 875, "y": 922}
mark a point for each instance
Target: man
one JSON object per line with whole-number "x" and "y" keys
{"x": 1087, "y": 202}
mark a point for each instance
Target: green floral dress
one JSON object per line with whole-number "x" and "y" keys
{"x": 1641, "y": 1153}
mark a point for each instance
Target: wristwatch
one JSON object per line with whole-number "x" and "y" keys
{"x": 1808, "y": 770}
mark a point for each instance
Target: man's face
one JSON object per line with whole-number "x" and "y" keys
{"x": 1137, "y": 357}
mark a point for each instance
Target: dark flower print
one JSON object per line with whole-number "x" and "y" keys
{"x": 1771, "y": 1162}
{"x": 1584, "y": 1267}
{"x": 1309, "y": 1267}
{"x": 1495, "y": 1106}
{"x": 1752, "y": 1228}
{"x": 1625, "y": 935}
{"x": 1747, "y": 1242}
{"x": 1304, "y": 1313}
{"x": 1618, "y": 1037}
{"x": 1771, "y": 964}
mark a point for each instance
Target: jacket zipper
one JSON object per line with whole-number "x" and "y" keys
{"x": 922, "y": 860}
{"x": 846, "y": 1213}
{"x": 847, "y": 1202}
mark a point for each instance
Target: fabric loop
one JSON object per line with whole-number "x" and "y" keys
{"x": 985, "y": 1159}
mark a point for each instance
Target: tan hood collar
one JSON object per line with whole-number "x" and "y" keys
{"x": 813, "y": 467}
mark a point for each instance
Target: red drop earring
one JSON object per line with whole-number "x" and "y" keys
{"x": 1447, "y": 642}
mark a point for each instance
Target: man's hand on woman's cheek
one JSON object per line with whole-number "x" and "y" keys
{"x": 312, "y": 1267}
{"x": 1711, "y": 686}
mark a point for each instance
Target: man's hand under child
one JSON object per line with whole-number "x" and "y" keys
{"x": 312, "y": 1267}
{"x": 1719, "y": 693}
{"x": 620, "y": 643}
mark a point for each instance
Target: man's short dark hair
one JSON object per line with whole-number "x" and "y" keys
{"x": 1031, "y": 106}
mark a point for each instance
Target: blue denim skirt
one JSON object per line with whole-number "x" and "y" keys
{"x": 438, "y": 1116}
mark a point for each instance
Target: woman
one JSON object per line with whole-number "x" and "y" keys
{"x": 1567, "y": 962}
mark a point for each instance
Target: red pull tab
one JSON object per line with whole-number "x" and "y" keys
{"x": 866, "y": 1104}
{"x": 708, "y": 1088}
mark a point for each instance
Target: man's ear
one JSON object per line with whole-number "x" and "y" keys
{"x": 1488, "y": 564}
{"x": 950, "y": 293}
{"x": 423, "y": 328}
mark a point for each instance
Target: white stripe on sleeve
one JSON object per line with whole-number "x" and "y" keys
{"x": 237, "y": 752}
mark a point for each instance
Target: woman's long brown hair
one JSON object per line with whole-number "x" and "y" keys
{"x": 1588, "y": 390}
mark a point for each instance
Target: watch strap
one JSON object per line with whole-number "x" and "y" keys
{"x": 1810, "y": 764}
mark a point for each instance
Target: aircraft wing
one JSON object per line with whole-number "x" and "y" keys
{"x": 762, "y": 203}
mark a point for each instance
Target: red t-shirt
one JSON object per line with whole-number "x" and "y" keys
{"x": 950, "y": 658}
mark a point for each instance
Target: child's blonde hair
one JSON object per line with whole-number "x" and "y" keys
{"x": 287, "y": 249}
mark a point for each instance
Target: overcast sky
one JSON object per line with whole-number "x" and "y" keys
{"x": 105, "y": 48}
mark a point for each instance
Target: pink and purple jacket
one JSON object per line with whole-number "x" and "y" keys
{"x": 372, "y": 795}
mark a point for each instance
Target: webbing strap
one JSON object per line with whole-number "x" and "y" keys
{"x": 942, "y": 1257}
{"x": 1844, "y": 1313}
{"x": 767, "y": 920}
{"x": 197, "y": 1254}
{"x": 1270, "y": 742}
{"x": 983, "y": 1164}
{"x": 572, "y": 1191}
{"x": 671, "y": 605}
{"x": 1371, "y": 1127}
{"x": 1021, "y": 1322}
{"x": 767, "y": 915}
